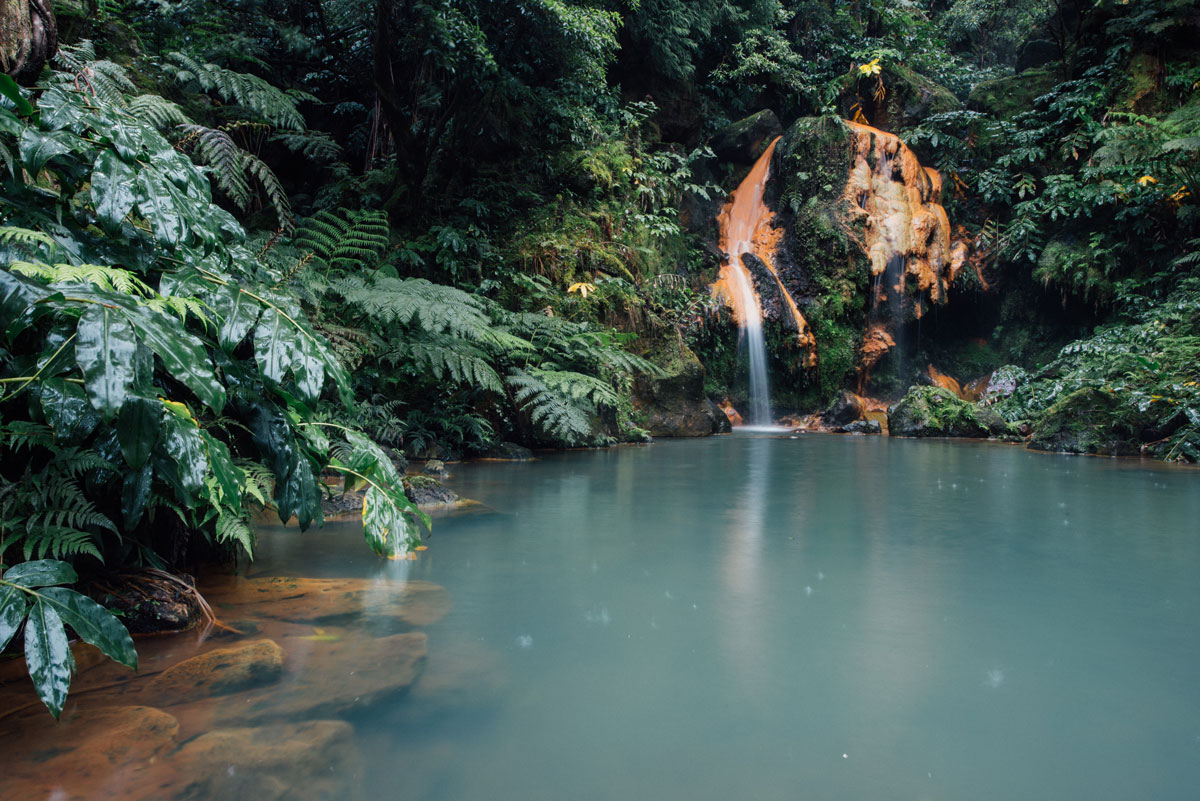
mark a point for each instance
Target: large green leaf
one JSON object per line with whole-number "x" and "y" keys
{"x": 41, "y": 573}
{"x": 112, "y": 189}
{"x": 274, "y": 345}
{"x": 384, "y": 525}
{"x": 48, "y": 656}
{"x": 183, "y": 355}
{"x": 137, "y": 429}
{"x": 299, "y": 495}
{"x": 105, "y": 347}
{"x": 10, "y": 89}
{"x": 186, "y": 448}
{"x": 229, "y": 476}
{"x": 239, "y": 312}
{"x": 67, "y": 410}
{"x": 135, "y": 494}
{"x": 93, "y": 623}
{"x": 37, "y": 148}
{"x": 158, "y": 201}
{"x": 17, "y": 294}
{"x": 13, "y": 605}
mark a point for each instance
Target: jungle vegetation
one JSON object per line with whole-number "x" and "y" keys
{"x": 252, "y": 245}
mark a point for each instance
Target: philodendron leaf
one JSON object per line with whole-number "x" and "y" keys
{"x": 239, "y": 312}
{"x": 187, "y": 450}
{"x": 274, "y": 345}
{"x": 37, "y": 148}
{"x": 10, "y": 89}
{"x": 112, "y": 189}
{"x": 105, "y": 348}
{"x": 48, "y": 656}
{"x": 93, "y": 623}
{"x": 159, "y": 201}
{"x": 41, "y": 573}
{"x": 13, "y": 605}
{"x": 137, "y": 429}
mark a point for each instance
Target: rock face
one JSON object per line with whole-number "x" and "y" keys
{"x": 908, "y": 97}
{"x": 845, "y": 410}
{"x": 674, "y": 405}
{"x": 1005, "y": 97}
{"x": 937, "y": 412}
{"x": 742, "y": 142}
{"x": 219, "y": 672}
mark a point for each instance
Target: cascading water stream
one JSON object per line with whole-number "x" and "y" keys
{"x": 745, "y": 228}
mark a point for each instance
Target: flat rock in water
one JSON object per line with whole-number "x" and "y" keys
{"x": 307, "y": 600}
{"x": 330, "y": 676}
{"x": 310, "y": 761}
{"x": 219, "y": 672}
{"x": 456, "y": 676}
{"x": 99, "y": 753}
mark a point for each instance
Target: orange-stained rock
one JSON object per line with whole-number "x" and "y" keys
{"x": 91, "y": 753}
{"x": 218, "y": 672}
{"x": 944, "y": 381}
{"x": 307, "y": 600}
{"x": 310, "y": 761}
{"x": 734, "y": 417}
{"x": 747, "y": 226}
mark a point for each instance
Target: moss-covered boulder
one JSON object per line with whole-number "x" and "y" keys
{"x": 908, "y": 97}
{"x": 744, "y": 141}
{"x": 1090, "y": 420}
{"x": 937, "y": 412}
{"x": 1004, "y": 97}
{"x": 674, "y": 404}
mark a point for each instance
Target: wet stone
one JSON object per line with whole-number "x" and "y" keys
{"x": 414, "y": 603}
{"x": 219, "y": 672}
{"x": 309, "y": 761}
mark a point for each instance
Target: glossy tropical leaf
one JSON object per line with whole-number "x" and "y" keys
{"x": 37, "y": 148}
{"x": 299, "y": 495}
{"x": 10, "y": 89}
{"x": 183, "y": 355}
{"x": 239, "y": 313}
{"x": 93, "y": 623}
{"x": 112, "y": 188}
{"x": 17, "y": 294}
{"x": 137, "y": 429}
{"x": 14, "y": 603}
{"x": 135, "y": 494}
{"x": 229, "y": 476}
{"x": 67, "y": 410}
{"x": 48, "y": 656}
{"x": 185, "y": 446}
{"x": 41, "y": 573}
{"x": 157, "y": 200}
{"x": 274, "y": 345}
{"x": 105, "y": 348}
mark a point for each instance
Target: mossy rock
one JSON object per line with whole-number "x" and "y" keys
{"x": 674, "y": 404}
{"x": 937, "y": 412}
{"x": 1139, "y": 87}
{"x": 1089, "y": 420}
{"x": 744, "y": 141}
{"x": 909, "y": 97}
{"x": 1005, "y": 97}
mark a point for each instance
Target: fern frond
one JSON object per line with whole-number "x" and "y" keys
{"x": 555, "y": 416}
{"x": 314, "y": 145}
{"x": 215, "y": 148}
{"x": 33, "y": 243}
{"x": 258, "y": 169}
{"x": 112, "y": 279}
{"x": 347, "y": 240}
{"x": 235, "y": 527}
{"x": 157, "y": 111}
{"x": 417, "y": 302}
{"x": 448, "y": 357}
{"x": 249, "y": 91}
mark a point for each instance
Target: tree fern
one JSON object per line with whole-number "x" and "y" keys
{"x": 157, "y": 111}
{"x": 314, "y": 145}
{"x": 249, "y": 91}
{"x": 448, "y": 357}
{"x": 215, "y": 148}
{"x": 417, "y": 302}
{"x": 258, "y": 169}
{"x": 556, "y": 416}
{"x": 112, "y": 279}
{"x": 346, "y": 241}
{"x": 23, "y": 240}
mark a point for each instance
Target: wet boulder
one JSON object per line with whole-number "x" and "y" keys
{"x": 509, "y": 452}
{"x": 928, "y": 411}
{"x": 428, "y": 492}
{"x": 847, "y": 409}
{"x": 1090, "y": 420}
{"x": 674, "y": 404}
{"x": 219, "y": 672}
{"x": 862, "y": 427}
{"x": 435, "y": 467}
{"x": 742, "y": 142}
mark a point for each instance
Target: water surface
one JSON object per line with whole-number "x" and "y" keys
{"x": 823, "y": 617}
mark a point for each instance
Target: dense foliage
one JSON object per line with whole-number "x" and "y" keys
{"x": 250, "y": 246}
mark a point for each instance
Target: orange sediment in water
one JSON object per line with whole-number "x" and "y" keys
{"x": 747, "y": 226}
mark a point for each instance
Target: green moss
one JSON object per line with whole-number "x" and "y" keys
{"x": 937, "y": 412}
{"x": 1089, "y": 420}
{"x": 1004, "y": 97}
{"x": 1139, "y": 90}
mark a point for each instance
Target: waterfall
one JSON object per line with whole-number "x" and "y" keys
{"x": 746, "y": 228}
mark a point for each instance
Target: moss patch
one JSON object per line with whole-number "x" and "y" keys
{"x": 1089, "y": 420}
{"x": 937, "y": 412}
{"x": 1004, "y": 97}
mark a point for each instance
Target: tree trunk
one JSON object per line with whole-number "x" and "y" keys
{"x": 28, "y": 38}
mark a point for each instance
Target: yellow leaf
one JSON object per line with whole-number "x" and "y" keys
{"x": 1147, "y": 179}
{"x": 871, "y": 67}
{"x": 582, "y": 288}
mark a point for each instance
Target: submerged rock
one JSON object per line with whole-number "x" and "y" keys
{"x": 936, "y": 412}
{"x": 862, "y": 427}
{"x": 219, "y": 672}
{"x": 435, "y": 467}
{"x": 319, "y": 601}
{"x": 332, "y": 677}
{"x": 310, "y": 761}
{"x": 509, "y": 451}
